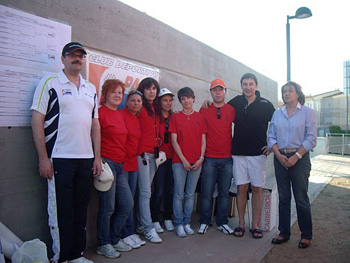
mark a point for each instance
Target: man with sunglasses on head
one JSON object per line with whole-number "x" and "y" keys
{"x": 66, "y": 134}
{"x": 217, "y": 165}
{"x": 249, "y": 150}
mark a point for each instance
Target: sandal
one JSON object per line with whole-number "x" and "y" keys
{"x": 279, "y": 240}
{"x": 304, "y": 244}
{"x": 240, "y": 230}
{"x": 256, "y": 233}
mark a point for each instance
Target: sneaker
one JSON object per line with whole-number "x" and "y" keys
{"x": 189, "y": 230}
{"x": 122, "y": 247}
{"x": 152, "y": 236}
{"x": 138, "y": 240}
{"x": 80, "y": 260}
{"x": 202, "y": 229}
{"x": 140, "y": 230}
{"x": 169, "y": 225}
{"x": 129, "y": 241}
{"x": 180, "y": 231}
{"x": 157, "y": 227}
{"x": 225, "y": 229}
{"x": 107, "y": 251}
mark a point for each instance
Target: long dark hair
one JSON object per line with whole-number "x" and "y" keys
{"x": 146, "y": 84}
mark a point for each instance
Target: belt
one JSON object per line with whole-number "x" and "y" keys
{"x": 288, "y": 150}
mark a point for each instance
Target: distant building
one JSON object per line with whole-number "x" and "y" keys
{"x": 330, "y": 109}
{"x": 346, "y": 89}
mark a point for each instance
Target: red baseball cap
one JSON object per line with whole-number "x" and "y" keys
{"x": 217, "y": 82}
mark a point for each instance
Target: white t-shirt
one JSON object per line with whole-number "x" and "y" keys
{"x": 68, "y": 115}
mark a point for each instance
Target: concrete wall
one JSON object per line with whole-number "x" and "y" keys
{"x": 112, "y": 27}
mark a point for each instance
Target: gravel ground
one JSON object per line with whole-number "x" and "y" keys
{"x": 331, "y": 222}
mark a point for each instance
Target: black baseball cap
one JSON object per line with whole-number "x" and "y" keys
{"x": 72, "y": 46}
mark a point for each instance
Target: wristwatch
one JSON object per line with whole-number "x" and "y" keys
{"x": 299, "y": 155}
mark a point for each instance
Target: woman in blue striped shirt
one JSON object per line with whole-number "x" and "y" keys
{"x": 292, "y": 134}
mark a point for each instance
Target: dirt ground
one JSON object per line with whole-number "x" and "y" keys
{"x": 331, "y": 226}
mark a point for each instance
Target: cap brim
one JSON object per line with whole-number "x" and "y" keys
{"x": 102, "y": 186}
{"x": 78, "y": 49}
{"x": 168, "y": 93}
{"x": 218, "y": 86}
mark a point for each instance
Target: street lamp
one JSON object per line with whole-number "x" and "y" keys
{"x": 302, "y": 12}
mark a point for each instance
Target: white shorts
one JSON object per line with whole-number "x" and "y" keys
{"x": 250, "y": 169}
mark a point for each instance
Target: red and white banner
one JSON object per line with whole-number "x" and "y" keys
{"x": 102, "y": 66}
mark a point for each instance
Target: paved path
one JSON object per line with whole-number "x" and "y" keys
{"x": 217, "y": 247}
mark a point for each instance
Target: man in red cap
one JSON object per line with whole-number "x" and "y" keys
{"x": 217, "y": 165}
{"x": 66, "y": 134}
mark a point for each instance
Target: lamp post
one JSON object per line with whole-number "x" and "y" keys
{"x": 302, "y": 12}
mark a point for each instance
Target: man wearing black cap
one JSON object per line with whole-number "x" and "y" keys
{"x": 66, "y": 134}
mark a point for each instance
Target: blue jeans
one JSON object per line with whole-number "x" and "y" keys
{"x": 129, "y": 228}
{"x": 145, "y": 178}
{"x": 215, "y": 170}
{"x": 296, "y": 177}
{"x": 163, "y": 187}
{"x": 182, "y": 179}
{"x": 114, "y": 207}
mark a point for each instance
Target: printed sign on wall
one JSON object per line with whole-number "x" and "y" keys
{"x": 102, "y": 66}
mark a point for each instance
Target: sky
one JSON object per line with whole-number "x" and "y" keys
{"x": 254, "y": 33}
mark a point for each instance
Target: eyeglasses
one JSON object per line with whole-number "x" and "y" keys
{"x": 218, "y": 113}
{"x": 72, "y": 55}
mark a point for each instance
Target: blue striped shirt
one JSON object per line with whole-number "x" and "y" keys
{"x": 292, "y": 132}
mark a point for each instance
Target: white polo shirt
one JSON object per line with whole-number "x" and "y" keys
{"x": 68, "y": 115}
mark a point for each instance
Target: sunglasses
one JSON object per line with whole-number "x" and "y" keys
{"x": 72, "y": 55}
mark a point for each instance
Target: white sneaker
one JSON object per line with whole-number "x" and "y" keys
{"x": 202, "y": 229}
{"x": 180, "y": 231}
{"x": 80, "y": 260}
{"x": 225, "y": 229}
{"x": 157, "y": 227}
{"x": 122, "y": 247}
{"x": 107, "y": 251}
{"x": 189, "y": 230}
{"x": 152, "y": 236}
{"x": 138, "y": 240}
{"x": 129, "y": 241}
{"x": 169, "y": 225}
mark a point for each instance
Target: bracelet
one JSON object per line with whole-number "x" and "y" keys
{"x": 299, "y": 155}
{"x": 201, "y": 157}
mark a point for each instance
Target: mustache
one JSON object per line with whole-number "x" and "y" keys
{"x": 76, "y": 62}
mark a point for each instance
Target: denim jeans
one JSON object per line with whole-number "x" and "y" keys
{"x": 129, "y": 228}
{"x": 215, "y": 170}
{"x": 296, "y": 177}
{"x": 114, "y": 207}
{"x": 184, "y": 187}
{"x": 163, "y": 187}
{"x": 145, "y": 178}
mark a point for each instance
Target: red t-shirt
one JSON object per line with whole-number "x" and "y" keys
{"x": 113, "y": 134}
{"x": 189, "y": 135}
{"x": 149, "y": 131}
{"x": 219, "y": 134}
{"x": 132, "y": 124}
{"x": 166, "y": 147}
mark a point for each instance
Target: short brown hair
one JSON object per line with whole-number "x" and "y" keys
{"x": 297, "y": 87}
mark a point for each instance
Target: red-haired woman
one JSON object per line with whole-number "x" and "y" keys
{"x": 115, "y": 204}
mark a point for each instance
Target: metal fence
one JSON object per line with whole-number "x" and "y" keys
{"x": 338, "y": 143}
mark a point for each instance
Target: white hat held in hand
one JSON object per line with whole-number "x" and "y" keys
{"x": 104, "y": 182}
